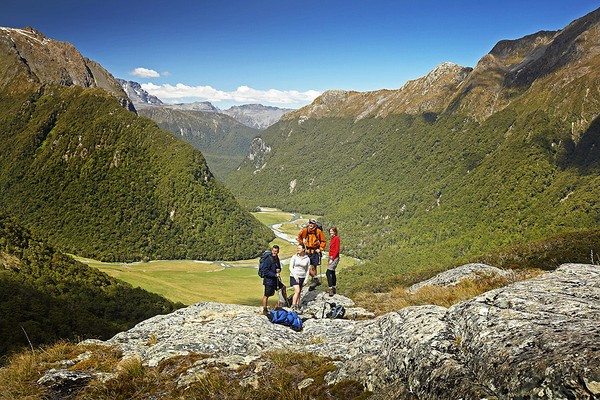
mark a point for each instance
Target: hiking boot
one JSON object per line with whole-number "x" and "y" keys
{"x": 313, "y": 284}
{"x": 265, "y": 311}
{"x": 334, "y": 290}
{"x": 330, "y": 292}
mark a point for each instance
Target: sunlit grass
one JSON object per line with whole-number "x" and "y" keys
{"x": 444, "y": 296}
{"x": 271, "y": 217}
{"x": 189, "y": 281}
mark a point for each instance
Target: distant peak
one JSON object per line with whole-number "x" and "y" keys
{"x": 333, "y": 96}
{"x": 444, "y": 69}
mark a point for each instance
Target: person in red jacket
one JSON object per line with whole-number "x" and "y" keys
{"x": 334, "y": 259}
{"x": 314, "y": 240}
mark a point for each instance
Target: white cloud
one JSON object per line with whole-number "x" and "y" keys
{"x": 144, "y": 73}
{"x": 243, "y": 94}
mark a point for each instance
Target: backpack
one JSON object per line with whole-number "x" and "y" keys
{"x": 287, "y": 318}
{"x": 336, "y": 311}
{"x": 318, "y": 227}
{"x": 261, "y": 263}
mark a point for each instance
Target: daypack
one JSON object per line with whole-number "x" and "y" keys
{"x": 319, "y": 225}
{"x": 336, "y": 311}
{"x": 287, "y": 318}
{"x": 261, "y": 263}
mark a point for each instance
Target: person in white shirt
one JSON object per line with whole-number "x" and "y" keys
{"x": 299, "y": 265}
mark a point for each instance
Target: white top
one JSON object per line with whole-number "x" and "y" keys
{"x": 299, "y": 266}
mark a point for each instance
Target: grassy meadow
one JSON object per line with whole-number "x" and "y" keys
{"x": 189, "y": 281}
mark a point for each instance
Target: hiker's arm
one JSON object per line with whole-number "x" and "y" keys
{"x": 322, "y": 240}
{"x": 301, "y": 236}
{"x": 292, "y": 264}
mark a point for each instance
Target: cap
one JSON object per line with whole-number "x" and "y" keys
{"x": 312, "y": 221}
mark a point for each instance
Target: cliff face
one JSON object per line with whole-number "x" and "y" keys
{"x": 532, "y": 339}
{"x": 47, "y": 61}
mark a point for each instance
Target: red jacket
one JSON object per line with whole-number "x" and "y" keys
{"x": 334, "y": 247}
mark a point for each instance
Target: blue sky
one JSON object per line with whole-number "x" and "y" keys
{"x": 283, "y": 52}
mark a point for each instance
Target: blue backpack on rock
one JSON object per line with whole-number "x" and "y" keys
{"x": 287, "y": 318}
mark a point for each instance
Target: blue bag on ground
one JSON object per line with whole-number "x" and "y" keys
{"x": 287, "y": 318}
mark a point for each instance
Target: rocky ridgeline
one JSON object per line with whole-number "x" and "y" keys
{"x": 538, "y": 338}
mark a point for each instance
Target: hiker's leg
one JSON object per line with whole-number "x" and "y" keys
{"x": 296, "y": 298}
{"x": 269, "y": 291}
{"x": 330, "y": 277}
{"x": 313, "y": 271}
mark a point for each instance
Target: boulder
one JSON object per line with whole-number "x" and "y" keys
{"x": 453, "y": 276}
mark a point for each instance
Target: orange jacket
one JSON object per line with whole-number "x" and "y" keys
{"x": 313, "y": 239}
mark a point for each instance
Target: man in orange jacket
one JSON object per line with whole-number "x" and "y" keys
{"x": 315, "y": 242}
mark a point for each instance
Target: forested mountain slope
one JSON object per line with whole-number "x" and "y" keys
{"x": 47, "y": 295}
{"x": 95, "y": 179}
{"x": 450, "y": 166}
{"x": 224, "y": 142}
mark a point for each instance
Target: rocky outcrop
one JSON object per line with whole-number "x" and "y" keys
{"x": 532, "y": 339}
{"x": 429, "y": 94}
{"x": 454, "y": 276}
{"x": 139, "y": 97}
{"x": 47, "y": 61}
{"x": 256, "y": 116}
{"x": 500, "y": 78}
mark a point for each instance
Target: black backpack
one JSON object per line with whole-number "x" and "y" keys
{"x": 261, "y": 263}
{"x": 336, "y": 311}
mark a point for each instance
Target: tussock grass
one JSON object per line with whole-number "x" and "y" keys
{"x": 275, "y": 376}
{"x": 18, "y": 378}
{"x": 444, "y": 296}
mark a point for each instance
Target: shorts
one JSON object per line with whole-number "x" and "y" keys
{"x": 293, "y": 281}
{"x": 333, "y": 264}
{"x": 269, "y": 290}
{"x": 315, "y": 258}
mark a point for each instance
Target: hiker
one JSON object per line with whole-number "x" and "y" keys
{"x": 314, "y": 240}
{"x": 271, "y": 280}
{"x": 334, "y": 259}
{"x": 299, "y": 265}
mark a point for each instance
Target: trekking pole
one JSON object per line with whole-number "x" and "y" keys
{"x": 320, "y": 263}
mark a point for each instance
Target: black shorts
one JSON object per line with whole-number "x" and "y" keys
{"x": 315, "y": 258}
{"x": 269, "y": 290}
{"x": 293, "y": 281}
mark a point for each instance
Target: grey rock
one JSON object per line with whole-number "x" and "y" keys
{"x": 538, "y": 338}
{"x": 139, "y": 97}
{"x": 256, "y": 116}
{"x": 455, "y": 275}
{"x": 317, "y": 303}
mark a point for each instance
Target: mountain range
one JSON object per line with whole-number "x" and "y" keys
{"x": 451, "y": 166}
{"x": 84, "y": 172}
{"x": 223, "y": 136}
